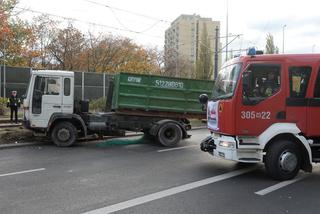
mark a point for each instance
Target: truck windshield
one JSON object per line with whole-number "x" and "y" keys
{"x": 226, "y": 82}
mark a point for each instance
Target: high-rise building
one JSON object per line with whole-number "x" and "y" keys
{"x": 184, "y": 42}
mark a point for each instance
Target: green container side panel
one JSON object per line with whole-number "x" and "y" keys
{"x": 158, "y": 93}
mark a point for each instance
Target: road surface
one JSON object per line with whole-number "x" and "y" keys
{"x": 145, "y": 178}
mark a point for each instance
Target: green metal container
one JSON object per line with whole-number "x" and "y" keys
{"x": 158, "y": 93}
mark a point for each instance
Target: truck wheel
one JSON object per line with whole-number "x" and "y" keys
{"x": 283, "y": 160}
{"x": 169, "y": 134}
{"x": 64, "y": 134}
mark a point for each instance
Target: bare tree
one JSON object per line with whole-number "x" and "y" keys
{"x": 176, "y": 65}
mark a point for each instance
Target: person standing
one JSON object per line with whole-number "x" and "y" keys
{"x": 14, "y": 103}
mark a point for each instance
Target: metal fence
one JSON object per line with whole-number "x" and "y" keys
{"x": 87, "y": 85}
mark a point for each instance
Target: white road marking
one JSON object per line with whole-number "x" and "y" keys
{"x": 279, "y": 186}
{"x": 22, "y": 172}
{"x": 168, "y": 192}
{"x": 177, "y": 148}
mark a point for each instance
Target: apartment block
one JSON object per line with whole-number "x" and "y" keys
{"x": 183, "y": 40}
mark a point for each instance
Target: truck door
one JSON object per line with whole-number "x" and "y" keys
{"x": 313, "y": 111}
{"x": 296, "y": 101}
{"x": 46, "y": 100}
{"x": 261, "y": 101}
{"x": 67, "y": 97}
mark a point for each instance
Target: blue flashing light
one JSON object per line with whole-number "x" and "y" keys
{"x": 251, "y": 51}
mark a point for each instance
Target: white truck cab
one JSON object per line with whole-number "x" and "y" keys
{"x": 48, "y": 92}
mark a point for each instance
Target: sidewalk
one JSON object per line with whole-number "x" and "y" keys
{"x": 6, "y": 119}
{"x": 6, "y": 124}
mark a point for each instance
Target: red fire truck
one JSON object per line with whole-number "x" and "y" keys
{"x": 266, "y": 108}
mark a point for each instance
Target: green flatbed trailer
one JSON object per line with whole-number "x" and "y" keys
{"x": 158, "y": 106}
{"x": 159, "y": 95}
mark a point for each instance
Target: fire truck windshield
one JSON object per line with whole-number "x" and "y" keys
{"x": 226, "y": 81}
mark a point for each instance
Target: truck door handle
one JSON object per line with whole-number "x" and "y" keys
{"x": 56, "y": 106}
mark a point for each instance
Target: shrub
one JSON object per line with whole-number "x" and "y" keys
{"x": 3, "y": 105}
{"x": 98, "y": 105}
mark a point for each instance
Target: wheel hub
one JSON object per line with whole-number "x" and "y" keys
{"x": 288, "y": 161}
{"x": 63, "y": 134}
{"x": 169, "y": 134}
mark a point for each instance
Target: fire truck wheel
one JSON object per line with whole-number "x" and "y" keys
{"x": 169, "y": 134}
{"x": 283, "y": 160}
{"x": 64, "y": 134}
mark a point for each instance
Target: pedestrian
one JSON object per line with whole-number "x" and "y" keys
{"x": 14, "y": 103}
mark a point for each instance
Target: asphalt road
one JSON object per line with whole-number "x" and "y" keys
{"x": 144, "y": 178}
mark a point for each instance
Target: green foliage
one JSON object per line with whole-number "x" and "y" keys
{"x": 98, "y": 105}
{"x": 3, "y": 105}
{"x": 270, "y": 47}
{"x": 204, "y": 68}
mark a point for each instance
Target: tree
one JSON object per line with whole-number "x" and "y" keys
{"x": 204, "y": 68}
{"x": 176, "y": 65}
{"x": 42, "y": 44}
{"x": 66, "y": 48}
{"x": 15, "y": 35}
{"x": 44, "y": 30}
{"x": 270, "y": 47}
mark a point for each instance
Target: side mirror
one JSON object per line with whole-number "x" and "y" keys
{"x": 203, "y": 98}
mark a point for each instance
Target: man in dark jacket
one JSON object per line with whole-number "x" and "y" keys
{"x": 14, "y": 103}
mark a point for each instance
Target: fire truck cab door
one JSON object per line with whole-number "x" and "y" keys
{"x": 296, "y": 100}
{"x": 313, "y": 128}
{"x": 261, "y": 98}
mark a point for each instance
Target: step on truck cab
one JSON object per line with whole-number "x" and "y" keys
{"x": 156, "y": 105}
{"x": 266, "y": 108}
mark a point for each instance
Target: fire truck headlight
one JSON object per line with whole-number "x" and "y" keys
{"x": 226, "y": 144}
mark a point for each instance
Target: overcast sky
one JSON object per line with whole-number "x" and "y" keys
{"x": 149, "y": 19}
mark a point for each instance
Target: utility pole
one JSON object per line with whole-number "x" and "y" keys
{"x": 216, "y": 53}
{"x": 3, "y": 61}
{"x": 283, "y": 37}
{"x": 4, "y": 69}
{"x": 227, "y": 30}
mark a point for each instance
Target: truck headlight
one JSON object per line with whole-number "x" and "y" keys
{"x": 226, "y": 144}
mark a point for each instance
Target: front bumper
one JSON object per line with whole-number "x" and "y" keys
{"x": 227, "y": 147}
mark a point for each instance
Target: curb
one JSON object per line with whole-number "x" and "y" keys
{"x": 14, "y": 145}
{"x": 199, "y": 127}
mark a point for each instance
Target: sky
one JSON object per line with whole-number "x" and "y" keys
{"x": 145, "y": 21}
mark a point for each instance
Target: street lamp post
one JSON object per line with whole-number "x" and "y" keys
{"x": 283, "y": 37}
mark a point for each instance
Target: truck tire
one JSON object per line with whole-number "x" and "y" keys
{"x": 283, "y": 160}
{"x": 169, "y": 134}
{"x": 64, "y": 134}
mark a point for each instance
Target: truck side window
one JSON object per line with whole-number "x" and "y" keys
{"x": 299, "y": 79}
{"x": 66, "y": 87}
{"x": 316, "y": 92}
{"x": 53, "y": 86}
{"x": 260, "y": 81}
{"x": 38, "y": 91}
